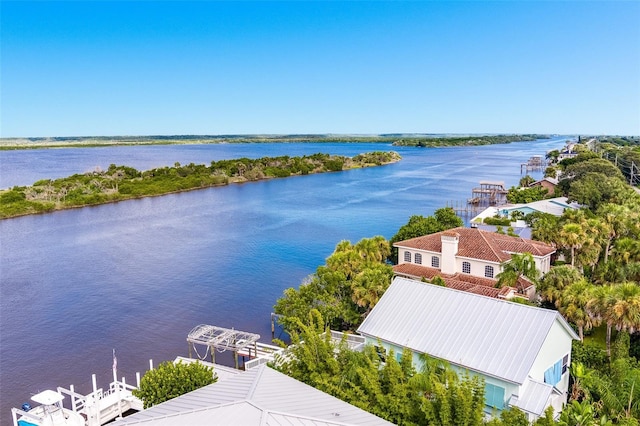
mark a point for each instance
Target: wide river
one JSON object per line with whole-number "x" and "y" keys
{"x": 137, "y": 276}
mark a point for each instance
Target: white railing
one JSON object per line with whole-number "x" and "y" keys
{"x": 355, "y": 342}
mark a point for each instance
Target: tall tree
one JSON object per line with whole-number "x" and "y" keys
{"x": 600, "y": 307}
{"x": 442, "y": 219}
{"x": 626, "y": 307}
{"x": 615, "y": 217}
{"x": 369, "y": 286}
{"x": 572, "y": 304}
{"x": 557, "y": 280}
{"x": 572, "y": 237}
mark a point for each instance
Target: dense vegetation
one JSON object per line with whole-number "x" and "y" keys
{"x": 625, "y": 154}
{"x": 388, "y": 387}
{"x": 598, "y": 288}
{"x": 170, "y": 380}
{"x": 464, "y": 140}
{"x": 121, "y": 182}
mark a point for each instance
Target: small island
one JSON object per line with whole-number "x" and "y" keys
{"x": 119, "y": 183}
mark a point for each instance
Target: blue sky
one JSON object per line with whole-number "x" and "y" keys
{"x": 83, "y": 68}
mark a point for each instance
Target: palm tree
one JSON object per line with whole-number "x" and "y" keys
{"x": 626, "y": 250}
{"x": 572, "y": 236}
{"x": 520, "y": 265}
{"x": 369, "y": 286}
{"x": 600, "y": 309}
{"x": 374, "y": 249}
{"x": 556, "y": 280}
{"x": 526, "y": 181}
{"x": 615, "y": 217}
{"x": 572, "y": 304}
{"x": 616, "y": 305}
{"x": 545, "y": 229}
{"x": 626, "y": 308}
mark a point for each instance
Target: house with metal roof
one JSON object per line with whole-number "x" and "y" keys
{"x": 522, "y": 352}
{"x": 260, "y": 396}
{"x": 469, "y": 255}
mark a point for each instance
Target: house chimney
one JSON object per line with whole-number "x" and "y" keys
{"x": 449, "y": 241}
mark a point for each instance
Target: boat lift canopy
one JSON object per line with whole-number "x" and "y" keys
{"x": 221, "y": 338}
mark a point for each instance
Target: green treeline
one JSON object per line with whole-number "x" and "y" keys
{"x": 121, "y": 182}
{"x": 430, "y": 142}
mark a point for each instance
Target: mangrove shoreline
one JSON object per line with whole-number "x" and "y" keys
{"x": 121, "y": 183}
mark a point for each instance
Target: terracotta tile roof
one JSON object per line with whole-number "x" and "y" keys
{"x": 458, "y": 281}
{"x": 475, "y": 243}
{"x": 472, "y": 288}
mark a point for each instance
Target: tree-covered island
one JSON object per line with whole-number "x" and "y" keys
{"x": 119, "y": 183}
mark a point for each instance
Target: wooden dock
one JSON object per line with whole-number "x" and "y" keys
{"x": 489, "y": 193}
{"x": 537, "y": 163}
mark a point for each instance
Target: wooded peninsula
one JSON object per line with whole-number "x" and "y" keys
{"x": 119, "y": 183}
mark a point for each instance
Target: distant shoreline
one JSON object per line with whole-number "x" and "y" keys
{"x": 396, "y": 139}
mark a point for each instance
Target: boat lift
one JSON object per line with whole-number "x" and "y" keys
{"x": 222, "y": 339}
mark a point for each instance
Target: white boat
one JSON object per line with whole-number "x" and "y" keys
{"x": 95, "y": 409}
{"x": 49, "y": 412}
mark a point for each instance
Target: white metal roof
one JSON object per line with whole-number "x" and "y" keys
{"x": 260, "y": 396}
{"x": 534, "y": 397}
{"x": 492, "y": 336}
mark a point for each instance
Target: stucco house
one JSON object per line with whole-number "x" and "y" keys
{"x": 468, "y": 254}
{"x": 522, "y": 352}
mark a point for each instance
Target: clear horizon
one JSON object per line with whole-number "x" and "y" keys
{"x": 155, "y": 68}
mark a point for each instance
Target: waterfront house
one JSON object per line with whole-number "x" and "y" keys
{"x": 468, "y": 255}
{"x": 547, "y": 183}
{"x": 259, "y": 396}
{"x": 554, "y": 206}
{"x": 522, "y": 352}
{"x": 567, "y": 152}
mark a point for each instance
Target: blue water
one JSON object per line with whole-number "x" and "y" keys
{"x": 138, "y": 275}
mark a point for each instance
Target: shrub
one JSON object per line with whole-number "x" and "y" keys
{"x": 497, "y": 221}
{"x": 171, "y": 379}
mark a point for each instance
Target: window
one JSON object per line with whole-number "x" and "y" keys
{"x": 466, "y": 267}
{"x": 553, "y": 375}
{"x": 418, "y": 258}
{"x": 407, "y": 256}
{"x": 488, "y": 271}
{"x": 565, "y": 363}
{"x": 435, "y": 261}
{"x": 494, "y": 396}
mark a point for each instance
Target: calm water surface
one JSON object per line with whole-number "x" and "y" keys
{"x": 138, "y": 275}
